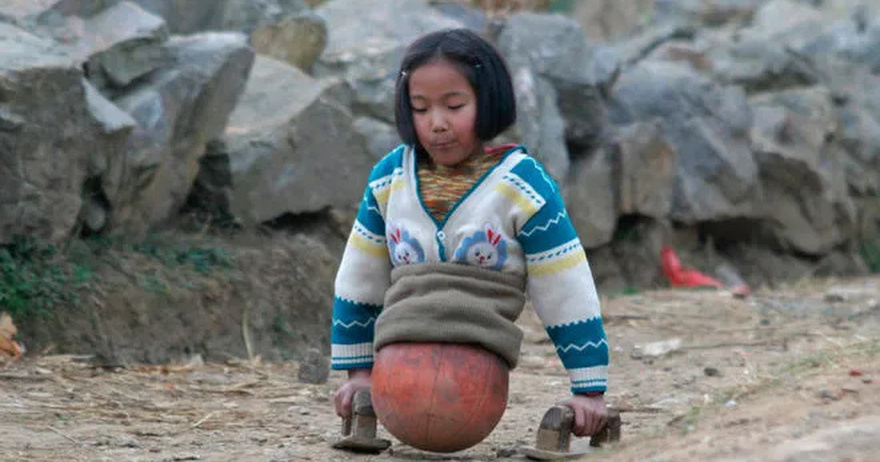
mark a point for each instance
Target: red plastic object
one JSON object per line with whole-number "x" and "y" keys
{"x": 681, "y": 277}
{"x": 439, "y": 397}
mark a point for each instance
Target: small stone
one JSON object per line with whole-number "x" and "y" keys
{"x": 731, "y": 403}
{"x": 506, "y": 451}
{"x": 836, "y": 294}
{"x": 314, "y": 368}
{"x": 826, "y": 394}
{"x": 127, "y": 442}
{"x": 711, "y": 371}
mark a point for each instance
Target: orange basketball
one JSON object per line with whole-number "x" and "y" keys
{"x": 440, "y": 397}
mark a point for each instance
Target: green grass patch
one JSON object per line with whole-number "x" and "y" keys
{"x": 871, "y": 254}
{"x": 177, "y": 254}
{"x": 37, "y": 278}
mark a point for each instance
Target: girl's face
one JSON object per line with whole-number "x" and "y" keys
{"x": 444, "y": 112}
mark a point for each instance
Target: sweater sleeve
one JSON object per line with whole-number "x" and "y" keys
{"x": 361, "y": 281}
{"x": 561, "y": 287}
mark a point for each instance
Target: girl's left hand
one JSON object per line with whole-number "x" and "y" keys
{"x": 589, "y": 413}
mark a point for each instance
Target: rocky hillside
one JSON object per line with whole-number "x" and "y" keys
{"x": 743, "y": 133}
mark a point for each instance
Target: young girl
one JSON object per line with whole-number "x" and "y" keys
{"x": 444, "y": 203}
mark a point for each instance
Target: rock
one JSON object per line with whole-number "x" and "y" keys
{"x": 711, "y": 371}
{"x": 50, "y": 12}
{"x": 208, "y": 200}
{"x": 47, "y": 134}
{"x": 554, "y": 49}
{"x": 859, "y": 136}
{"x": 781, "y": 18}
{"x": 540, "y": 125}
{"x": 805, "y": 198}
{"x": 191, "y": 16}
{"x": 297, "y": 40}
{"x": 292, "y": 149}
{"x": 249, "y": 15}
{"x": 119, "y": 44}
{"x": 655, "y": 349}
{"x": 381, "y": 137}
{"x": 314, "y": 368}
{"x": 94, "y": 215}
{"x": 589, "y": 198}
{"x": 645, "y": 167}
{"x": 178, "y": 109}
{"x": 116, "y": 124}
{"x": 127, "y": 442}
{"x": 472, "y": 18}
{"x": 760, "y": 65}
{"x": 366, "y": 43}
{"x": 632, "y": 259}
{"x": 610, "y": 19}
{"x": 633, "y": 49}
{"x": 707, "y": 12}
{"x": 707, "y": 124}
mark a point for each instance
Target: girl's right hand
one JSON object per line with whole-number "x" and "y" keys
{"x": 358, "y": 379}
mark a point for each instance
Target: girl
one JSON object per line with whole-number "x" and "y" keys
{"x": 443, "y": 210}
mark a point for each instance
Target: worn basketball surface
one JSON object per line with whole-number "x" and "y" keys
{"x": 439, "y": 397}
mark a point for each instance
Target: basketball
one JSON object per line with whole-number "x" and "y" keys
{"x": 439, "y": 397}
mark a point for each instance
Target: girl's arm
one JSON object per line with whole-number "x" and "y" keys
{"x": 562, "y": 290}
{"x": 361, "y": 282}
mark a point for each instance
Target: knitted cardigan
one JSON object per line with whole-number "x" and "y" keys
{"x": 513, "y": 220}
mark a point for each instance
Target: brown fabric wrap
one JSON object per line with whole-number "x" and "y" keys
{"x": 453, "y": 303}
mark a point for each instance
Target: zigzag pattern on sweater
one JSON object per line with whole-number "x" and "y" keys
{"x": 583, "y": 347}
{"x": 551, "y": 222}
{"x": 351, "y": 324}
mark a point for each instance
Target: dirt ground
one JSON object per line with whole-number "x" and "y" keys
{"x": 786, "y": 375}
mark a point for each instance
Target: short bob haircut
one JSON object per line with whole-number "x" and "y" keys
{"x": 478, "y": 61}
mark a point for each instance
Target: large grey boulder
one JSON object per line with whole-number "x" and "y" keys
{"x": 28, "y": 13}
{"x": 705, "y": 12}
{"x": 178, "y": 110}
{"x": 47, "y": 134}
{"x": 540, "y": 124}
{"x": 298, "y": 40}
{"x": 381, "y": 137}
{"x": 117, "y": 41}
{"x": 611, "y": 19}
{"x": 292, "y": 149}
{"x": 589, "y": 198}
{"x": 554, "y": 49}
{"x": 366, "y": 43}
{"x": 806, "y": 206}
{"x": 118, "y": 44}
{"x": 190, "y": 16}
{"x": 645, "y": 167}
{"x": 707, "y": 124}
{"x": 193, "y": 16}
{"x": 859, "y": 136}
{"x": 115, "y": 127}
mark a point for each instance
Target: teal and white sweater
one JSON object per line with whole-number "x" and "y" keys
{"x": 513, "y": 220}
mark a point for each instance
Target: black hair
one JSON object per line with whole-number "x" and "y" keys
{"x": 478, "y": 61}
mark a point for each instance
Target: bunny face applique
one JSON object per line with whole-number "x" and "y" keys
{"x": 486, "y": 248}
{"x": 404, "y": 249}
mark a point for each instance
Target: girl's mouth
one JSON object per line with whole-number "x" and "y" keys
{"x": 443, "y": 145}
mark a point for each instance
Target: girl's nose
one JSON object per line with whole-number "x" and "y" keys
{"x": 438, "y": 122}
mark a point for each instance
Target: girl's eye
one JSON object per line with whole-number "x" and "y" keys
{"x": 419, "y": 109}
{"x": 456, "y": 107}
